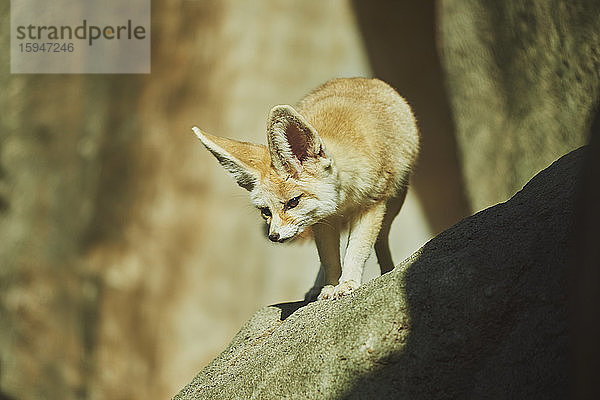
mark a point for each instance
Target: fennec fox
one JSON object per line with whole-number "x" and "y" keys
{"x": 340, "y": 159}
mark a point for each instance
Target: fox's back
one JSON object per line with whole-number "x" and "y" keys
{"x": 369, "y": 130}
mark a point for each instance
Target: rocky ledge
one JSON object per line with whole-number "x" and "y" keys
{"x": 480, "y": 311}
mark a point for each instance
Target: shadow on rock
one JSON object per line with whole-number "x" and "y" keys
{"x": 488, "y": 303}
{"x": 288, "y": 309}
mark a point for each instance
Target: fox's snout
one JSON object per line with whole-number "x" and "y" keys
{"x": 280, "y": 234}
{"x": 278, "y": 238}
{"x": 274, "y": 237}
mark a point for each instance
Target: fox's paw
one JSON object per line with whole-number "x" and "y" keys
{"x": 345, "y": 288}
{"x": 337, "y": 292}
{"x": 326, "y": 292}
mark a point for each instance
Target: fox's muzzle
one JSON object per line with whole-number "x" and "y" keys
{"x": 275, "y": 237}
{"x": 280, "y": 234}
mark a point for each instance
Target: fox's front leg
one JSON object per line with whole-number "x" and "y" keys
{"x": 327, "y": 239}
{"x": 363, "y": 234}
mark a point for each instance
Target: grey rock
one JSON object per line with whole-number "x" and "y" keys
{"x": 480, "y": 311}
{"x": 522, "y": 79}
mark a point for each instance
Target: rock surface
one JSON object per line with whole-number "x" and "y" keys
{"x": 479, "y": 312}
{"x": 523, "y": 81}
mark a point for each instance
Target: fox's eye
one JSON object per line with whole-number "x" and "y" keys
{"x": 265, "y": 211}
{"x": 292, "y": 202}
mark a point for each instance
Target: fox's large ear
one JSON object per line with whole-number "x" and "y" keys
{"x": 292, "y": 140}
{"x": 243, "y": 160}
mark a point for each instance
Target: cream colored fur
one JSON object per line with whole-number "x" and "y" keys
{"x": 340, "y": 159}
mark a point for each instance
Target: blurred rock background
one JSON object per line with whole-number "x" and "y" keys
{"x": 123, "y": 244}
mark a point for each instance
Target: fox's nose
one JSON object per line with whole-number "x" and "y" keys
{"x": 274, "y": 237}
